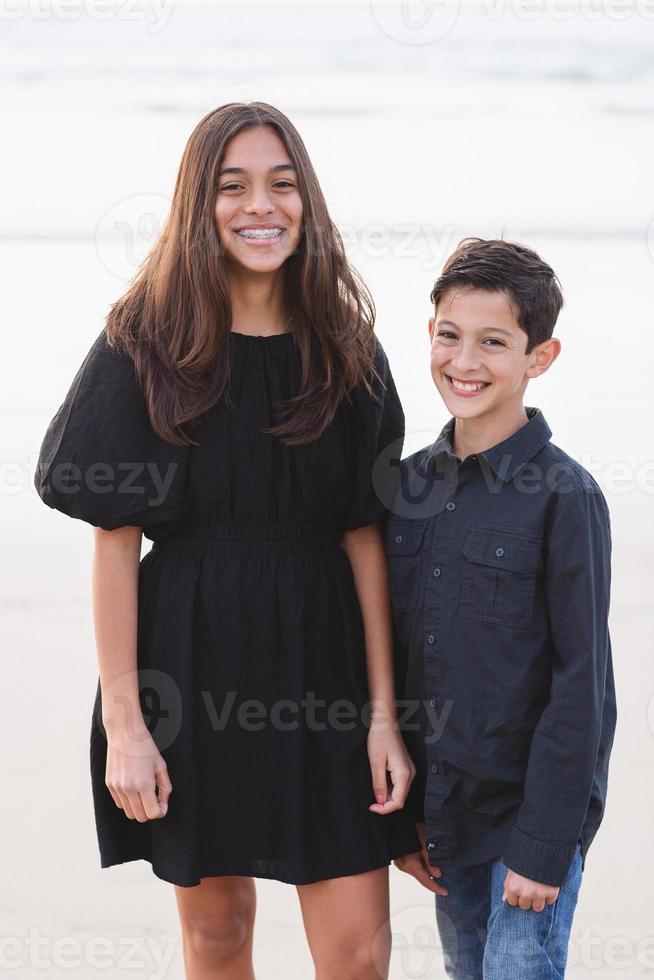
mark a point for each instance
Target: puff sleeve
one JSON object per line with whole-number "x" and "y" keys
{"x": 100, "y": 459}
{"x": 378, "y": 438}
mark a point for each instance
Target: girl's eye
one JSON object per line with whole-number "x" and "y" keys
{"x": 279, "y": 185}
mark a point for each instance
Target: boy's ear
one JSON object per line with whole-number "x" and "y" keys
{"x": 543, "y": 356}
{"x": 432, "y": 321}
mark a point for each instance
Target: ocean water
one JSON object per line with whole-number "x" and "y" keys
{"x": 426, "y": 122}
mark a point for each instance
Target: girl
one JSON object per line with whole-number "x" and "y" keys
{"x": 232, "y": 410}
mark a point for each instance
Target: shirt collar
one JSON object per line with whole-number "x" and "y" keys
{"x": 507, "y": 457}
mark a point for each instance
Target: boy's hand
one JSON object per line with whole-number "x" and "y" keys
{"x": 528, "y": 894}
{"x": 419, "y": 867}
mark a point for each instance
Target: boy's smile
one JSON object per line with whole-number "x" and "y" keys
{"x": 478, "y": 359}
{"x": 466, "y": 388}
{"x": 480, "y": 365}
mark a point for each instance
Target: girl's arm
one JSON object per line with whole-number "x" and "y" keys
{"x": 365, "y": 549}
{"x": 115, "y": 602}
{"x": 134, "y": 764}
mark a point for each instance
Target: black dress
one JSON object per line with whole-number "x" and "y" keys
{"x": 250, "y": 648}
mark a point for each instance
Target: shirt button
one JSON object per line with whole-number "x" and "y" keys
{"x": 451, "y": 505}
{"x": 398, "y": 539}
{"x": 437, "y": 573}
{"x": 434, "y": 769}
{"x": 431, "y": 638}
{"x": 432, "y": 845}
{"x": 433, "y": 702}
{"x": 499, "y": 552}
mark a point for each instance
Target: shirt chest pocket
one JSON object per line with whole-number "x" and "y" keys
{"x": 500, "y": 570}
{"x": 403, "y": 541}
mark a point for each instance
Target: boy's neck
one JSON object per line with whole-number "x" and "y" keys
{"x": 473, "y": 436}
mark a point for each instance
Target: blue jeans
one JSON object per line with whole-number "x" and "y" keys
{"x": 485, "y": 938}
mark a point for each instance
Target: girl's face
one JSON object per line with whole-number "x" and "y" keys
{"x": 258, "y": 205}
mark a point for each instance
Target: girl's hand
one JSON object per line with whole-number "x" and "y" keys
{"x": 132, "y": 775}
{"x": 388, "y": 753}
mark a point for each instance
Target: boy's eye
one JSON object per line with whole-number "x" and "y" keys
{"x": 494, "y": 342}
{"x": 446, "y": 335}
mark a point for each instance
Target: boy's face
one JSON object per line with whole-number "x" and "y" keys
{"x": 478, "y": 359}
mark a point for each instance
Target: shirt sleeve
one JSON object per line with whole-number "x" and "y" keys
{"x": 378, "y": 439}
{"x": 100, "y": 460}
{"x": 572, "y": 738}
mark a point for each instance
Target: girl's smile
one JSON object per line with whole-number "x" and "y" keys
{"x": 261, "y": 235}
{"x": 258, "y": 205}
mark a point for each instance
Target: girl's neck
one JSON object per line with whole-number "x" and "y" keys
{"x": 258, "y": 303}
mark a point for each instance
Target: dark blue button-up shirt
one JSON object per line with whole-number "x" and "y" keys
{"x": 500, "y": 576}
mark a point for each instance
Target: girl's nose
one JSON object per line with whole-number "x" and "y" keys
{"x": 259, "y": 202}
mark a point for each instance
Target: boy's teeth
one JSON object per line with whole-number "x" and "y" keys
{"x": 462, "y": 386}
{"x": 260, "y": 232}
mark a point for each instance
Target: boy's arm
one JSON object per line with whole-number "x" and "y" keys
{"x": 564, "y": 749}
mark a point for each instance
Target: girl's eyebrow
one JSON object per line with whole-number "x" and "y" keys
{"x": 242, "y": 170}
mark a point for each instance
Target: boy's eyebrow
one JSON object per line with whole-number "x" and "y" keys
{"x": 450, "y": 323}
{"x": 242, "y": 170}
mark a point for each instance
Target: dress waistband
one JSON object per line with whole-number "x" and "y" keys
{"x": 226, "y": 537}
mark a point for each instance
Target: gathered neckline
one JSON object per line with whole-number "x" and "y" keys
{"x": 257, "y": 340}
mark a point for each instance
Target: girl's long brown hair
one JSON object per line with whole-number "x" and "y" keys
{"x": 174, "y": 321}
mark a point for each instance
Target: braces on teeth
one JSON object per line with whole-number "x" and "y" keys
{"x": 260, "y": 232}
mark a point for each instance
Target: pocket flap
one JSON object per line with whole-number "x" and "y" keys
{"x": 404, "y": 537}
{"x": 502, "y": 549}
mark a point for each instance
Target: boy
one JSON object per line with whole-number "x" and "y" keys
{"x": 498, "y": 547}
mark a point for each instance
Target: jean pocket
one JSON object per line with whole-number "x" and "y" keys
{"x": 498, "y": 583}
{"x": 402, "y": 542}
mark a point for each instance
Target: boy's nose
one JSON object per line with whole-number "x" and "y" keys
{"x": 465, "y": 361}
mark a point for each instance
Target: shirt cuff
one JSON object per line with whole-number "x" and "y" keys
{"x": 538, "y": 860}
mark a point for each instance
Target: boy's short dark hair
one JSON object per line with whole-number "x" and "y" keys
{"x": 518, "y": 271}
